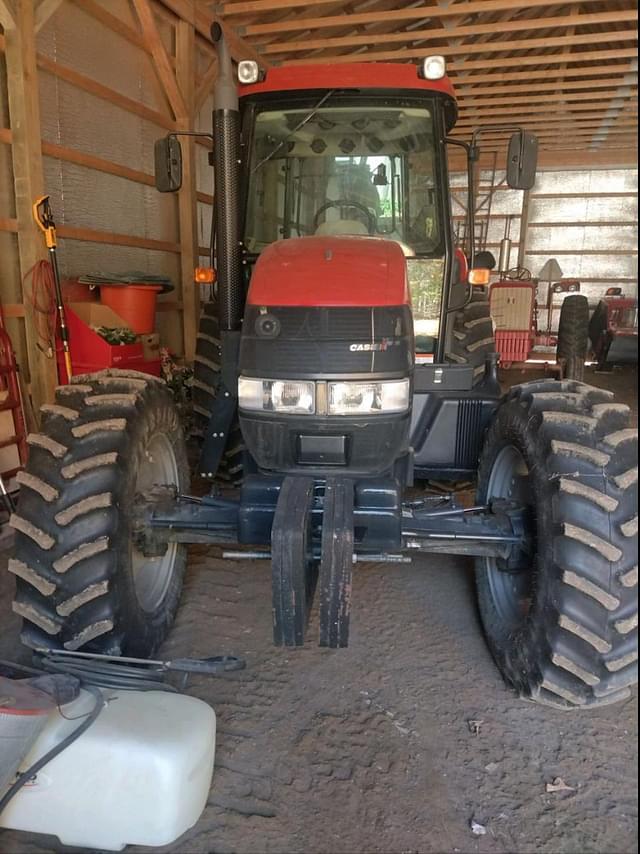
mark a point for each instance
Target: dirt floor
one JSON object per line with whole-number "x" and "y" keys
{"x": 396, "y": 744}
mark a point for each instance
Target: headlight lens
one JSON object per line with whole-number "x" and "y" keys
{"x": 248, "y": 71}
{"x": 368, "y": 398}
{"x": 294, "y": 396}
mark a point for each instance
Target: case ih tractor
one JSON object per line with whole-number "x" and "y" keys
{"x": 346, "y": 358}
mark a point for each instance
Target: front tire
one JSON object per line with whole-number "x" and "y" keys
{"x": 80, "y": 580}
{"x": 473, "y": 338}
{"x": 564, "y": 632}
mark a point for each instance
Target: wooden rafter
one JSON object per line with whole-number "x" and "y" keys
{"x": 257, "y": 7}
{"x": 161, "y": 61}
{"x": 418, "y": 51}
{"x": 45, "y": 10}
{"x": 494, "y": 28}
{"x": 393, "y": 16}
{"x": 7, "y": 14}
{"x": 205, "y": 85}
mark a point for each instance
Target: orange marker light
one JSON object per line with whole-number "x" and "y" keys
{"x": 204, "y": 275}
{"x": 479, "y": 276}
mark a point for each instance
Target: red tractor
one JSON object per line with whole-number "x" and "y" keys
{"x": 335, "y": 266}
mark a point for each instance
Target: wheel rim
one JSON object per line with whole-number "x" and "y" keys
{"x": 511, "y": 591}
{"x": 152, "y": 575}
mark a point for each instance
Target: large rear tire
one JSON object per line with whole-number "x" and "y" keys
{"x": 473, "y": 337}
{"x": 573, "y": 336}
{"x": 564, "y": 631}
{"x": 206, "y": 381}
{"x": 81, "y": 581}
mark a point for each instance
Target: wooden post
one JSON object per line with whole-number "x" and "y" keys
{"x": 24, "y": 114}
{"x": 187, "y": 201}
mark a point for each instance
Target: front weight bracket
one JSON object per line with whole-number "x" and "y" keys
{"x": 294, "y": 572}
{"x": 336, "y": 563}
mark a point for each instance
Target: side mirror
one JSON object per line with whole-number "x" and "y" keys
{"x": 380, "y": 176}
{"x": 168, "y": 164}
{"x": 522, "y": 160}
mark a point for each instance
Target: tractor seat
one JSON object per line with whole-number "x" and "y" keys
{"x": 341, "y": 226}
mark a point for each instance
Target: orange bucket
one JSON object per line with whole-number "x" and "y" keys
{"x": 135, "y": 304}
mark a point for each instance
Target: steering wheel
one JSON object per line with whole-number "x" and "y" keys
{"x": 518, "y": 274}
{"x": 345, "y": 203}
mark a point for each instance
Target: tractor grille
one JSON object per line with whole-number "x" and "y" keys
{"x": 316, "y": 341}
{"x": 469, "y": 433}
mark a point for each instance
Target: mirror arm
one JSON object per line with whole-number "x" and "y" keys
{"x": 472, "y": 156}
{"x": 507, "y": 128}
{"x": 177, "y": 133}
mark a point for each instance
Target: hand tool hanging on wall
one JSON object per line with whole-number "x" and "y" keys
{"x": 43, "y": 216}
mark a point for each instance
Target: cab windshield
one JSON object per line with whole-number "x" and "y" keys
{"x": 362, "y": 169}
{"x": 344, "y": 170}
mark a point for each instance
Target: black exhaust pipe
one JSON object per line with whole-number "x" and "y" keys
{"x": 226, "y": 163}
{"x": 228, "y": 252}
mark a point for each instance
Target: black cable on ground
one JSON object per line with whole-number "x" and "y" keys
{"x": 107, "y": 675}
{"x": 27, "y": 775}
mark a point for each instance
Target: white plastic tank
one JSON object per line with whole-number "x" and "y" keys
{"x": 140, "y": 775}
{"x": 23, "y": 714}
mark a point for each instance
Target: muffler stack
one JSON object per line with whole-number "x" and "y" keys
{"x": 226, "y": 152}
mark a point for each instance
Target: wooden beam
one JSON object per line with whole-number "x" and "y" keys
{"x": 542, "y": 22}
{"x": 187, "y": 208}
{"x": 87, "y": 84}
{"x": 201, "y": 21}
{"x": 205, "y": 86}
{"x": 113, "y": 23}
{"x": 7, "y": 14}
{"x": 468, "y": 79}
{"x": 258, "y": 7}
{"x": 541, "y": 86}
{"x": 28, "y": 178}
{"x": 469, "y": 102}
{"x": 93, "y": 235}
{"x": 497, "y": 46}
{"x": 8, "y": 224}
{"x": 496, "y": 64}
{"x": 593, "y": 224}
{"x": 90, "y": 161}
{"x": 512, "y": 117}
{"x": 160, "y": 58}
{"x": 45, "y": 10}
{"x": 393, "y": 16}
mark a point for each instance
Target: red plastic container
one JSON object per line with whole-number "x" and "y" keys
{"x": 135, "y": 304}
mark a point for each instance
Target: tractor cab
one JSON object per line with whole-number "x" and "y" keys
{"x": 355, "y": 151}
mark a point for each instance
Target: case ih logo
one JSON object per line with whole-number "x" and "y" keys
{"x": 378, "y": 346}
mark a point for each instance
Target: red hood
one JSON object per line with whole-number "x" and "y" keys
{"x": 330, "y": 271}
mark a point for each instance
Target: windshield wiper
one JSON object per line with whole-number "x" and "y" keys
{"x": 300, "y": 125}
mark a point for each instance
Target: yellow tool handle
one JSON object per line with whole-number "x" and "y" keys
{"x": 43, "y": 217}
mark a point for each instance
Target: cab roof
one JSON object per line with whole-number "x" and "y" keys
{"x": 357, "y": 75}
